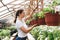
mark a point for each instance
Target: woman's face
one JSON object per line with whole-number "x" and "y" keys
{"x": 22, "y": 15}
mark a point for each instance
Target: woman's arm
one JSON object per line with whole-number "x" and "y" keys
{"x": 30, "y": 14}
{"x": 27, "y": 30}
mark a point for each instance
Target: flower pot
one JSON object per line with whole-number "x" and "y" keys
{"x": 33, "y": 22}
{"x": 41, "y": 21}
{"x": 51, "y": 19}
{"x": 59, "y": 19}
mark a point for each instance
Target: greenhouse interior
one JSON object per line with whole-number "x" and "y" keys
{"x": 30, "y": 20}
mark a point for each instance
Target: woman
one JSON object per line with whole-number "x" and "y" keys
{"x": 21, "y": 26}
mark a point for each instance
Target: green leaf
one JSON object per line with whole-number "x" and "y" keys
{"x": 48, "y": 9}
{"x": 41, "y": 14}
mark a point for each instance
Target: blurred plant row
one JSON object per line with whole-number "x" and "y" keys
{"x": 46, "y": 33}
{"x": 7, "y": 32}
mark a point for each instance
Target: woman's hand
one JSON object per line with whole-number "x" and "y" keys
{"x": 34, "y": 25}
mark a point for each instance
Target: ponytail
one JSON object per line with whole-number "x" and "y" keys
{"x": 15, "y": 19}
{"x": 17, "y": 14}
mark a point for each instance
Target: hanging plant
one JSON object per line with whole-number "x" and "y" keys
{"x": 41, "y": 14}
{"x": 56, "y": 2}
{"x": 48, "y": 9}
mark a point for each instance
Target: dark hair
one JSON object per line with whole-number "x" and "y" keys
{"x": 17, "y": 14}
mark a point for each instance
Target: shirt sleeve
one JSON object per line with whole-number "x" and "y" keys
{"x": 19, "y": 24}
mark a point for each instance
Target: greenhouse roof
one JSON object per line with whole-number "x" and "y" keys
{"x": 8, "y": 8}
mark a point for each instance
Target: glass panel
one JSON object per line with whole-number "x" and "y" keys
{"x": 17, "y": 2}
{"x": 9, "y": 6}
{"x": 5, "y": 17}
{"x": 3, "y": 8}
{"x": 10, "y": 9}
{"x": 10, "y": 18}
{"x": 7, "y": 1}
{"x": 46, "y": 2}
{"x": 4, "y": 12}
{"x": 22, "y": 7}
{"x": 27, "y": 2}
{"x": 17, "y": 6}
{"x": 1, "y": 4}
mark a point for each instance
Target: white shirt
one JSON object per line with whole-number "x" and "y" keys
{"x": 19, "y": 24}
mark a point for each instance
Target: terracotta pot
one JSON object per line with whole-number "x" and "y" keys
{"x": 59, "y": 19}
{"x": 41, "y": 21}
{"x": 33, "y": 22}
{"x": 51, "y": 19}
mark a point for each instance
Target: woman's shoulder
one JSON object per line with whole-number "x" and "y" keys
{"x": 18, "y": 21}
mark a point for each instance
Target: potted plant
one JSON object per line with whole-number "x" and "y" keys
{"x": 40, "y": 18}
{"x": 58, "y": 17}
{"x": 54, "y": 4}
{"x": 33, "y": 20}
{"x": 51, "y": 18}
